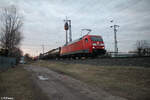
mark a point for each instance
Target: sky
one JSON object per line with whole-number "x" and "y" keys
{"x": 44, "y": 22}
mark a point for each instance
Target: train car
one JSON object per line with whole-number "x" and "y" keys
{"x": 88, "y": 45}
{"x": 54, "y": 53}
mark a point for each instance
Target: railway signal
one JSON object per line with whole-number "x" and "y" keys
{"x": 67, "y": 27}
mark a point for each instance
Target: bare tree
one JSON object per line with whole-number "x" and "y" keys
{"x": 27, "y": 57}
{"x": 10, "y": 29}
{"x": 142, "y": 47}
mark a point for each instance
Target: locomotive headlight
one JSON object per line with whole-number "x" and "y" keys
{"x": 94, "y": 44}
{"x": 93, "y": 47}
{"x": 101, "y": 44}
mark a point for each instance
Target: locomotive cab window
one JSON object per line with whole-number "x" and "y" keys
{"x": 96, "y": 39}
{"x": 86, "y": 40}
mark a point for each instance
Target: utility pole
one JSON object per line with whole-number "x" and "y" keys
{"x": 43, "y": 48}
{"x": 70, "y": 34}
{"x": 66, "y": 27}
{"x": 66, "y": 36}
{"x": 115, "y": 27}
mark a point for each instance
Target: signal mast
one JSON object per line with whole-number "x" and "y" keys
{"x": 67, "y": 26}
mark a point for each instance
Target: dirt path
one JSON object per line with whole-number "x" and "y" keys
{"x": 62, "y": 87}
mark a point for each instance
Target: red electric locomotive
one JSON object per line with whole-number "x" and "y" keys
{"x": 88, "y": 45}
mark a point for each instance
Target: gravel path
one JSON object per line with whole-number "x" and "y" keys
{"x": 62, "y": 87}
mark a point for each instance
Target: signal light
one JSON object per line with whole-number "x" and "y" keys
{"x": 66, "y": 26}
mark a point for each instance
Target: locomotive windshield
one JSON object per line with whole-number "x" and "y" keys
{"x": 96, "y": 39}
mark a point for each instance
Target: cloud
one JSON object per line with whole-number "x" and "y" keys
{"x": 43, "y": 20}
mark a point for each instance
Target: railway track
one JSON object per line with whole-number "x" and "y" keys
{"x": 135, "y": 61}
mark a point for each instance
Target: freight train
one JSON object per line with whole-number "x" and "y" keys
{"x": 88, "y": 45}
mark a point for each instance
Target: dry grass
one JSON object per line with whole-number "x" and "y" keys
{"x": 130, "y": 82}
{"x": 16, "y": 83}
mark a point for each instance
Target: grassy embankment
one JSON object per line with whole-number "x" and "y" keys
{"x": 130, "y": 82}
{"x": 16, "y": 83}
